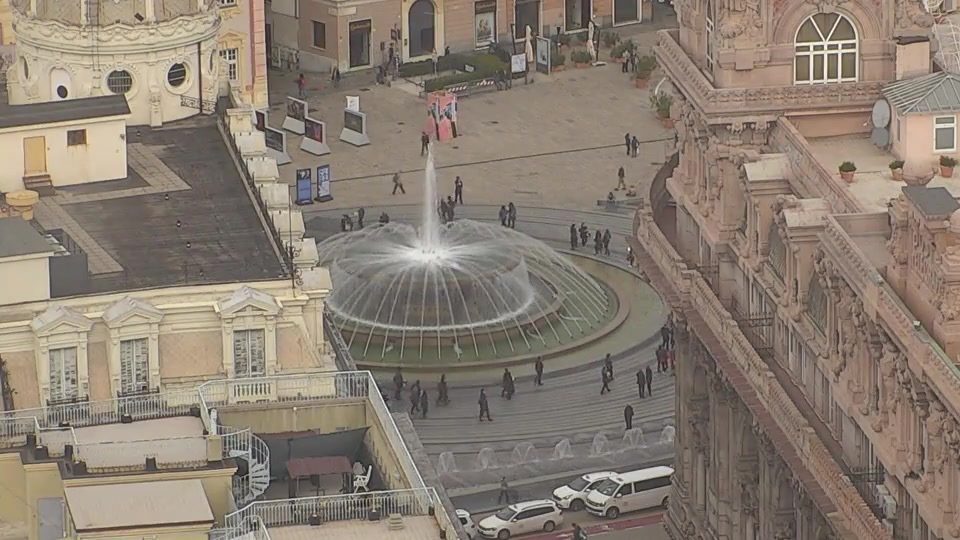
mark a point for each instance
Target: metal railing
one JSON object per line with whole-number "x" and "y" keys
{"x": 252, "y": 525}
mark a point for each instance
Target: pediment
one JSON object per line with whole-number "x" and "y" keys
{"x": 131, "y": 310}
{"x": 59, "y": 319}
{"x": 248, "y": 301}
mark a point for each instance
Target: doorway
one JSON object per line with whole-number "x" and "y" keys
{"x": 626, "y": 11}
{"x": 34, "y": 155}
{"x": 421, "y": 22}
{"x": 268, "y": 45}
{"x": 360, "y": 43}
{"x": 578, "y": 14}
{"x": 527, "y": 14}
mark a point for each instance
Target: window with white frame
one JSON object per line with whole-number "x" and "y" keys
{"x": 233, "y": 65}
{"x": 711, "y": 37}
{"x": 227, "y": 3}
{"x": 249, "y": 353}
{"x": 945, "y": 133}
{"x": 826, "y": 50}
{"x": 63, "y": 375}
{"x": 134, "y": 366}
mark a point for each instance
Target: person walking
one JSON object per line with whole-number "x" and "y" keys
{"x": 508, "y": 387}
{"x": 504, "y": 495}
{"x": 608, "y": 365}
{"x": 361, "y": 212}
{"x": 415, "y": 390}
{"x": 625, "y": 66}
{"x": 664, "y": 336}
{"x": 661, "y": 357}
{"x": 538, "y": 368}
{"x": 484, "y": 406}
{"x": 627, "y": 416}
{"x": 627, "y": 141}
{"x": 503, "y": 216}
{"x": 649, "y": 378}
{"x": 605, "y": 377}
{"x": 597, "y": 242}
{"x": 573, "y": 236}
{"x": 621, "y": 174}
{"x": 579, "y": 533}
{"x": 511, "y": 215}
{"x": 458, "y": 190}
{"x": 451, "y": 205}
{"x": 443, "y": 398}
{"x": 424, "y": 404}
{"x": 384, "y": 218}
{"x": 584, "y": 234}
{"x": 635, "y": 146}
{"x": 398, "y": 184}
{"x": 397, "y": 384}
{"x": 424, "y": 143}
{"x": 302, "y": 86}
{"x": 414, "y": 399}
{"x": 641, "y": 381}
{"x": 606, "y": 242}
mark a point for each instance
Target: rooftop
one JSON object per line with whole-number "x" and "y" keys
{"x": 19, "y": 238}
{"x": 68, "y": 110}
{"x": 414, "y": 528}
{"x": 138, "y": 505}
{"x": 929, "y": 94}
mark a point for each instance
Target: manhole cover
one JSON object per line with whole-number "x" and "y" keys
{"x": 494, "y": 122}
{"x": 364, "y": 89}
{"x": 400, "y": 123}
{"x": 455, "y": 147}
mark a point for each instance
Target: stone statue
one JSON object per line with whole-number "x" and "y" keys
{"x": 912, "y": 13}
{"x": 591, "y": 48}
{"x": 935, "y": 445}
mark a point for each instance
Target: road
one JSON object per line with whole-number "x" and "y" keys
{"x": 635, "y": 526}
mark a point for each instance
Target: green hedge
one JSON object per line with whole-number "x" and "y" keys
{"x": 484, "y": 65}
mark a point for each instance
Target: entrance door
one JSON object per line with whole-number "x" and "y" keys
{"x": 421, "y": 23}
{"x": 34, "y": 155}
{"x": 625, "y": 11}
{"x": 527, "y": 14}
{"x": 268, "y": 45}
{"x": 360, "y": 43}
{"x": 578, "y": 14}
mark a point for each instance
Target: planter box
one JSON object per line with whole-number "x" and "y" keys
{"x": 897, "y": 174}
{"x": 641, "y": 83}
{"x": 558, "y": 68}
{"x": 847, "y": 176}
{"x": 582, "y": 66}
{"x": 946, "y": 172}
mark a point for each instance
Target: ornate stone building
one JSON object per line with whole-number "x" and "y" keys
{"x": 817, "y": 335}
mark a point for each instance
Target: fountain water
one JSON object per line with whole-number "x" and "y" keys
{"x": 600, "y": 445}
{"x": 525, "y": 453}
{"x": 447, "y": 290}
{"x": 633, "y": 438}
{"x": 667, "y": 434}
{"x": 447, "y": 463}
{"x": 486, "y": 459}
{"x": 563, "y": 450}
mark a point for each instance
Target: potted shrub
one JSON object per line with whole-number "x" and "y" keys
{"x": 610, "y": 39}
{"x": 661, "y": 104}
{"x": 558, "y": 61}
{"x": 947, "y": 164}
{"x": 581, "y": 58}
{"x": 896, "y": 169}
{"x": 847, "y": 168}
{"x": 564, "y": 40}
{"x": 641, "y": 78}
{"x": 616, "y": 52}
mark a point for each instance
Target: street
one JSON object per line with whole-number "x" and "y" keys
{"x": 636, "y": 526}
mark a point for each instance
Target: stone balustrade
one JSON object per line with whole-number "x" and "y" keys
{"x": 853, "y": 515}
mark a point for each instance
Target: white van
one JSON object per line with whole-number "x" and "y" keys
{"x": 573, "y": 495}
{"x": 630, "y": 491}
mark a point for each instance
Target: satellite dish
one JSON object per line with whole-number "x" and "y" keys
{"x": 880, "y": 137}
{"x": 881, "y": 114}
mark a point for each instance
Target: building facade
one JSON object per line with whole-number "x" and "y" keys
{"x": 818, "y": 394}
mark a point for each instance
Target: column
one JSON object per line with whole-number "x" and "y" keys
{"x": 150, "y": 14}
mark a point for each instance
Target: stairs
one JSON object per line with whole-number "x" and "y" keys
{"x": 41, "y": 183}
{"x": 248, "y": 487}
{"x": 395, "y": 522}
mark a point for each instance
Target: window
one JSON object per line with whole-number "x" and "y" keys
{"x": 120, "y": 81}
{"x": 227, "y": 3}
{"x": 134, "y": 366}
{"x": 233, "y": 67}
{"x": 319, "y": 35}
{"x": 62, "y": 92}
{"x": 711, "y": 36}
{"x": 945, "y": 133}
{"x": 626, "y": 489}
{"x": 777, "y": 251}
{"x": 177, "y": 75}
{"x": 63, "y": 375}
{"x": 653, "y": 483}
{"x": 826, "y": 50}
{"x": 76, "y": 137}
{"x": 249, "y": 359}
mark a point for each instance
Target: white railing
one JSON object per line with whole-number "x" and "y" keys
{"x": 129, "y": 456}
{"x": 252, "y": 525}
{"x": 56, "y": 439}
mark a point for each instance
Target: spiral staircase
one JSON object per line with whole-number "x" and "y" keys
{"x": 253, "y": 460}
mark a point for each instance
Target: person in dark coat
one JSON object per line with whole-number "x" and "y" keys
{"x": 508, "y": 385}
{"x": 415, "y": 390}
{"x": 635, "y": 146}
{"x": 451, "y": 205}
{"x": 606, "y": 242}
{"x": 627, "y": 142}
{"x": 443, "y": 397}
{"x": 458, "y": 190}
{"x": 608, "y": 365}
{"x": 584, "y": 234}
{"x": 360, "y": 213}
{"x": 661, "y": 358}
{"x": 538, "y": 368}
{"x": 649, "y": 377}
{"x": 484, "y": 405}
{"x": 641, "y": 381}
{"x": 597, "y": 242}
{"x": 384, "y": 218}
{"x": 511, "y": 215}
{"x": 424, "y": 404}
{"x": 627, "y": 416}
{"x": 424, "y": 143}
{"x": 503, "y": 216}
{"x": 504, "y": 491}
{"x": 414, "y": 400}
{"x": 397, "y": 384}
{"x": 573, "y": 236}
{"x": 665, "y": 336}
{"x": 605, "y": 377}
{"x": 443, "y": 211}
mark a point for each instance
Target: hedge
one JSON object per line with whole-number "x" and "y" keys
{"x": 484, "y": 65}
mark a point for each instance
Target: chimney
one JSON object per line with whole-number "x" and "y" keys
{"x": 913, "y": 57}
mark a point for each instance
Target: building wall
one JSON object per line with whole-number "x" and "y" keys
{"x": 323, "y": 418}
{"x": 103, "y": 157}
{"x": 32, "y": 275}
{"x": 916, "y": 138}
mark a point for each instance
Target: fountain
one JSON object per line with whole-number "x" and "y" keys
{"x": 525, "y": 453}
{"x": 600, "y": 445}
{"x": 486, "y": 459}
{"x": 667, "y": 434}
{"x": 563, "y": 450}
{"x": 633, "y": 438}
{"x": 463, "y": 290}
{"x": 447, "y": 463}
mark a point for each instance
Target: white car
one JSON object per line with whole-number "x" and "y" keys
{"x": 573, "y": 496}
{"x": 522, "y": 518}
{"x": 468, "y": 525}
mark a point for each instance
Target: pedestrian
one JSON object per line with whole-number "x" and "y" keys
{"x": 335, "y": 76}
{"x": 664, "y": 336}
{"x": 627, "y": 141}
{"x": 635, "y": 146}
{"x": 360, "y": 213}
{"x": 641, "y": 381}
{"x": 584, "y": 234}
{"x": 424, "y": 143}
{"x": 504, "y": 495}
{"x": 397, "y": 384}
{"x": 608, "y": 365}
{"x": 450, "y": 206}
{"x": 302, "y": 86}
{"x": 503, "y": 216}
{"x": 649, "y": 378}
{"x": 414, "y": 400}
{"x": 538, "y": 368}
{"x": 661, "y": 356}
{"x": 424, "y": 404}
{"x": 507, "y": 384}
{"x": 443, "y": 398}
{"x": 398, "y": 184}
{"x": 597, "y": 242}
{"x": 511, "y": 216}
{"x": 573, "y": 236}
{"x": 606, "y": 242}
{"x": 415, "y": 391}
{"x": 443, "y": 210}
{"x": 626, "y": 61}
{"x": 579, "y": 533}
{"x": 605, "y": 377}
{"x": 435, "y": 59}
{"x": 343, "y": 223}
{"x": 458, "y": 190}
{"x": 672, "y": 358}
{"x": 627, "y": 416}
{"x": 621, "y": 174}
{"x": 484, "y": 406}
{"x": 384, "y": 218}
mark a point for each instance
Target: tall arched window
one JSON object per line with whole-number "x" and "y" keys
{"x": 826, "y": 50}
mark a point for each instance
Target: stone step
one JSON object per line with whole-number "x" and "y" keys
{"x": 41, "y": 183}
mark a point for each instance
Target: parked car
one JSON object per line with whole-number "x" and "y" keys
{"x": 522, "y": 518}
{"x": 573, "y": 496}
{"x": 629, "y": 491}
{"x": 468, "y": 525}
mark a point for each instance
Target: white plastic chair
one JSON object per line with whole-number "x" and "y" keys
{"x": 360, "y": 481}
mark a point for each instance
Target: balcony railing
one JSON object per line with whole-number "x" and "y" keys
{"x": 251, "y": 526}
{"x": 850, "y": 507}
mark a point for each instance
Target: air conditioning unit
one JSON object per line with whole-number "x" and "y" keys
{"x": 889, "y": 506}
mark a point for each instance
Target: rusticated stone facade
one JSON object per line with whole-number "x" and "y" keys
{"x": 818, "y": 394}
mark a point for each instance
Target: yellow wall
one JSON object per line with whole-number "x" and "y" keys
{"x": 14, "y": 508}
{"x": 279, "y": 418}
{"x": 42, "y": 482}
{"x": 6, "y": 23}
{"x": 31, "y": 274}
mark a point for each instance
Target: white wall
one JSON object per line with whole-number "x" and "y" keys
{"x": 284, "y": 7}
{"x": 104, "y": 157}
{"x": 31, "y": 276}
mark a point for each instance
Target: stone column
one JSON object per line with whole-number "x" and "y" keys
{"x": 150, "y": 14}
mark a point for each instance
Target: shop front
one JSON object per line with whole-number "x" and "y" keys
{"x": 484, "y": 23}
{"x": 359, "y": 36}
{"x": 527, "y": 14}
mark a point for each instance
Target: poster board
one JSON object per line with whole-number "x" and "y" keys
{"x": 354, "y": 128}
{"x": 442, "y": 118}
{"x": 323, "y": 184}
{"x": 544, "y": 53}
{"x": 314, "y": 137}
{"x": 276, "y": 143}
{"x": 260, "y": 119}
{"x": 304, "y": 187}
{"x": 297, "y": 112}
{"x": 518, "y": 63}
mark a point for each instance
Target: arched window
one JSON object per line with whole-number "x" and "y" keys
{"x": 826, "y": 50}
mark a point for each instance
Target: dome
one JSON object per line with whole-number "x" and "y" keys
{"x": 107, "y": 12}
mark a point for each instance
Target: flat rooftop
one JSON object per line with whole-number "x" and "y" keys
{"x": 110, "y": 447}
{"x": 873, "y": 183}
{"x": 414, "y": 528}
{"x": 138, "y": 505}
{"x": 68, "y": 110}
{"x": 182, "y": 215}
{"x": 19, "y": 238}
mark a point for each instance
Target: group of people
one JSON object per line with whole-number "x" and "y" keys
{"x": 508, "y": 216}
{"x": 665, "y": 362}
{"x": 580, "y": 236}
{"x": 348, "y": 224}
{"x": 445, "y": 208}
{"x": 419, "y": 399}
{"x": 632, "y": 144}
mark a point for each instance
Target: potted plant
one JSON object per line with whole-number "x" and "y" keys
{"x": 947, "y": 164}
{"x": 581, "y": 58}
{"x": 616, "y": 52}
{"x": 610, "y": 39}
{"x": 847, "y": 168}
{"x": 661, "y": 104}
{"x": 641, "y": 78}
{"x": 896, "y": 169}
{"x": 558, "y": 61}
{"x": 564, "y": 40}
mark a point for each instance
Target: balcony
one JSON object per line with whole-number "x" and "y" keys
{"x": 757, "y": 101}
